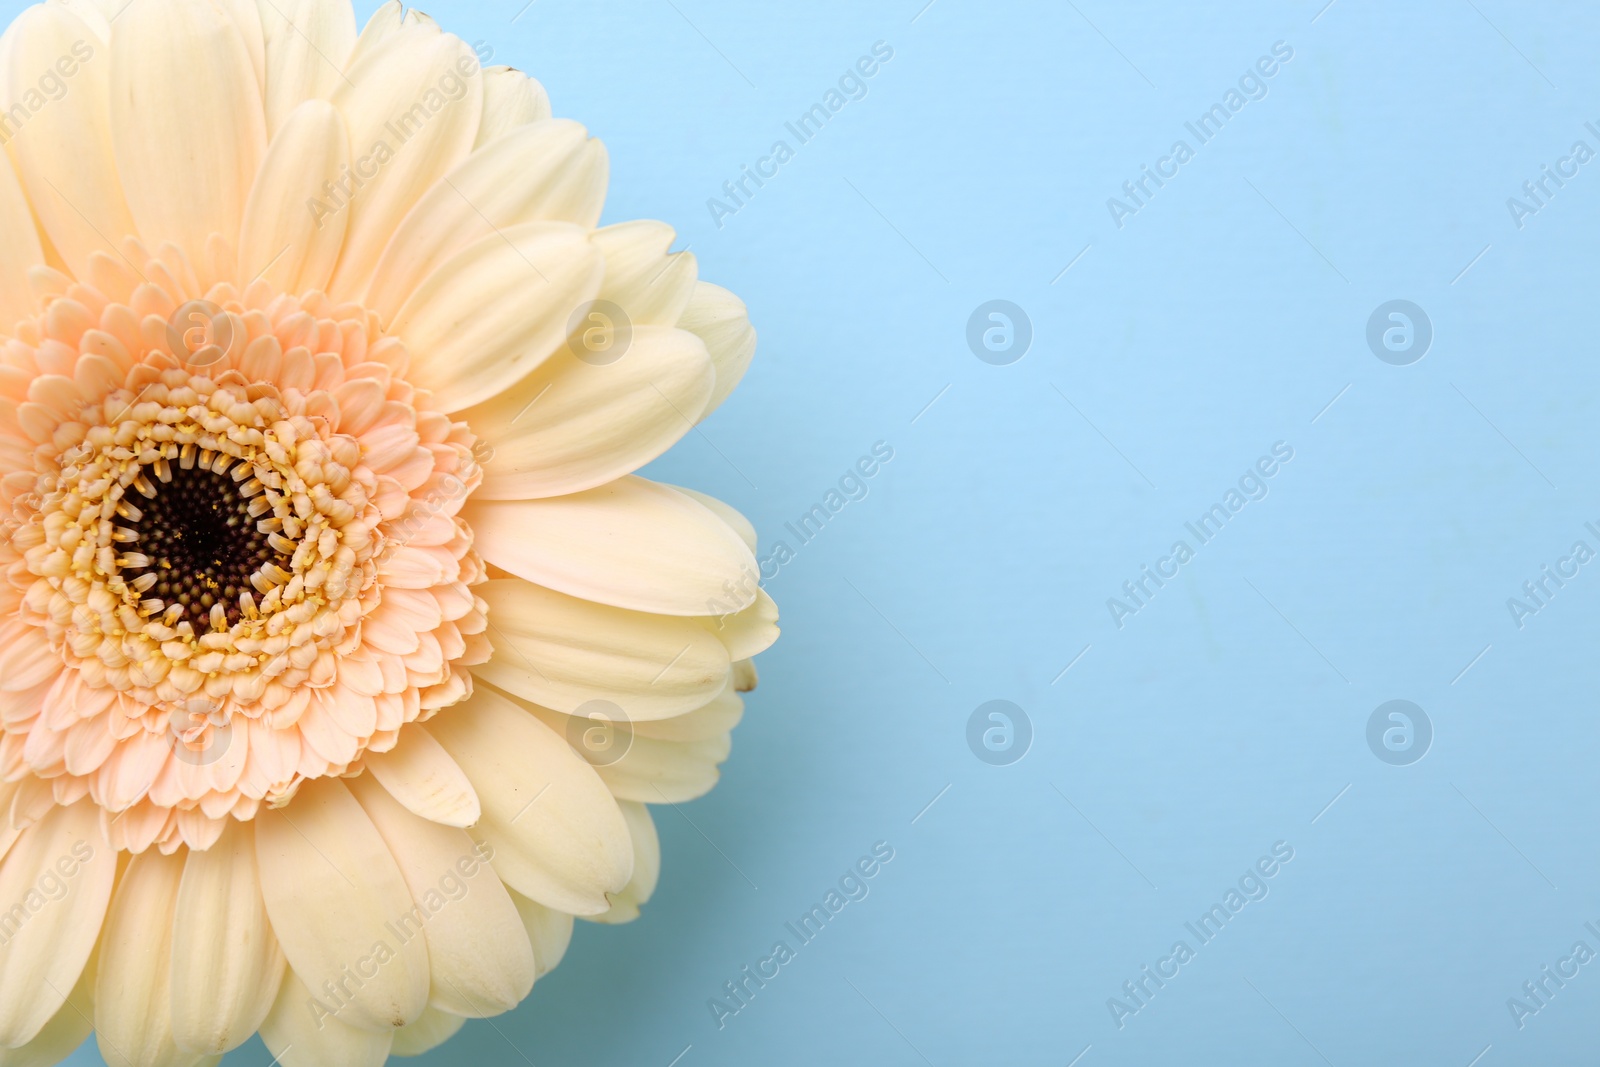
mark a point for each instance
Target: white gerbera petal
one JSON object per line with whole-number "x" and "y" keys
{"x": 420, "y": 774}
{"x": 646, "y": 866}
{"x": 187, "y": 159}
{"x": 651, "y": 286}
{"x": 226, "y": 963}
{"x": 650, "y": 770}
{"x": 384, "y": 24}
{"x": 571, "y": 425}
{"x": 510, "y": 99}
{"x": 563, "y": 652}
{"x": 411, "y": 102}
{"x": 19, "y": 248}
{"x": 480, "y": 960}
{"x": 287, "y": 240}
{"x": 426, "y": 1034}
{"x": 716, "y": 719}
{"x": 332, "y": 887}
{"x": 556, "y": 833}
{"x": 96, "y": 14}
{"x": 545, "y": 172}
{"x": 496, "y": 310}
{"x": 133, "y": 995}
{"x": 63, "y": 153}
{"x": 297, "y": 1035}
{"x": 748, "y": 632}
{"x": 42, "y": 960}
{"x": 720, "y": 319}
{"x": 246, "y": 19}
{"x": 307, "y": 44}
{"x": 549, "y": 930}
{"x": 9, "y": 830}
{"x": 632, "y": 544}
{"x": 63, "y": 1033}
{"x": 728, "y": 514}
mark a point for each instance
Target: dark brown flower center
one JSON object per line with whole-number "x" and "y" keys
{"x": 200, "y": 541}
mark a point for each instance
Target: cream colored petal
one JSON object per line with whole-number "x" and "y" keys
{"x": 646, "y": 865}
{"x": 571, "y": 425}
{"x": 662, "y": 772}
{"x": 479, "y": 958}
{"x": 420, "y": 774}
{"x": 631, "y": 544}
{"x": 720, "y": 319}
{"x": 384, "y": 24}
{"x": 247, "y": 20}
{"x": 69, "y": 1028}
{"x": 648, "y": 770}
{"x": 187, "y": 158}
{"x": 331, "y": 887}
{"x": 549, "y": 930}
{"x": 43, "y": 958}
{"x": 8, "y": 830}
{"x": 511, "y": 100}
{"x": 226, "y": 960}
{"x": 133, "y": 995}
{"x": 556, "y": 833}
{"x": 736, "y": 520}
{"x": 562, "y": 652}
{"x": 19, "y": 249}
{"x": 412, "y": 104}
{"x": 63, "y": 151}
{"x": 651, "y": 286}
{"x": 307, "y": 44}
{"x": 292, "y": 233}
{"x": 301, "y": 1031}
{"x": 748, "y": 632}
{"x": 426, "y": 1034}
{"x": 545, "y": 172}
{"x": 745, "y": 677}
{"x": 496, "y": 310}
{"x": 96, "y": 14}
{"x": 713, "y": 720}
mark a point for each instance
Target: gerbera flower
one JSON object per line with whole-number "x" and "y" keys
{"x": 340, "y": 648}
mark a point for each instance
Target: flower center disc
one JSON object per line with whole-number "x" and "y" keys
{"x": 197, "y": 536}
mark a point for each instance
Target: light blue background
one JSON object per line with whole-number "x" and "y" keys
{"x": 1226, "y": 715}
